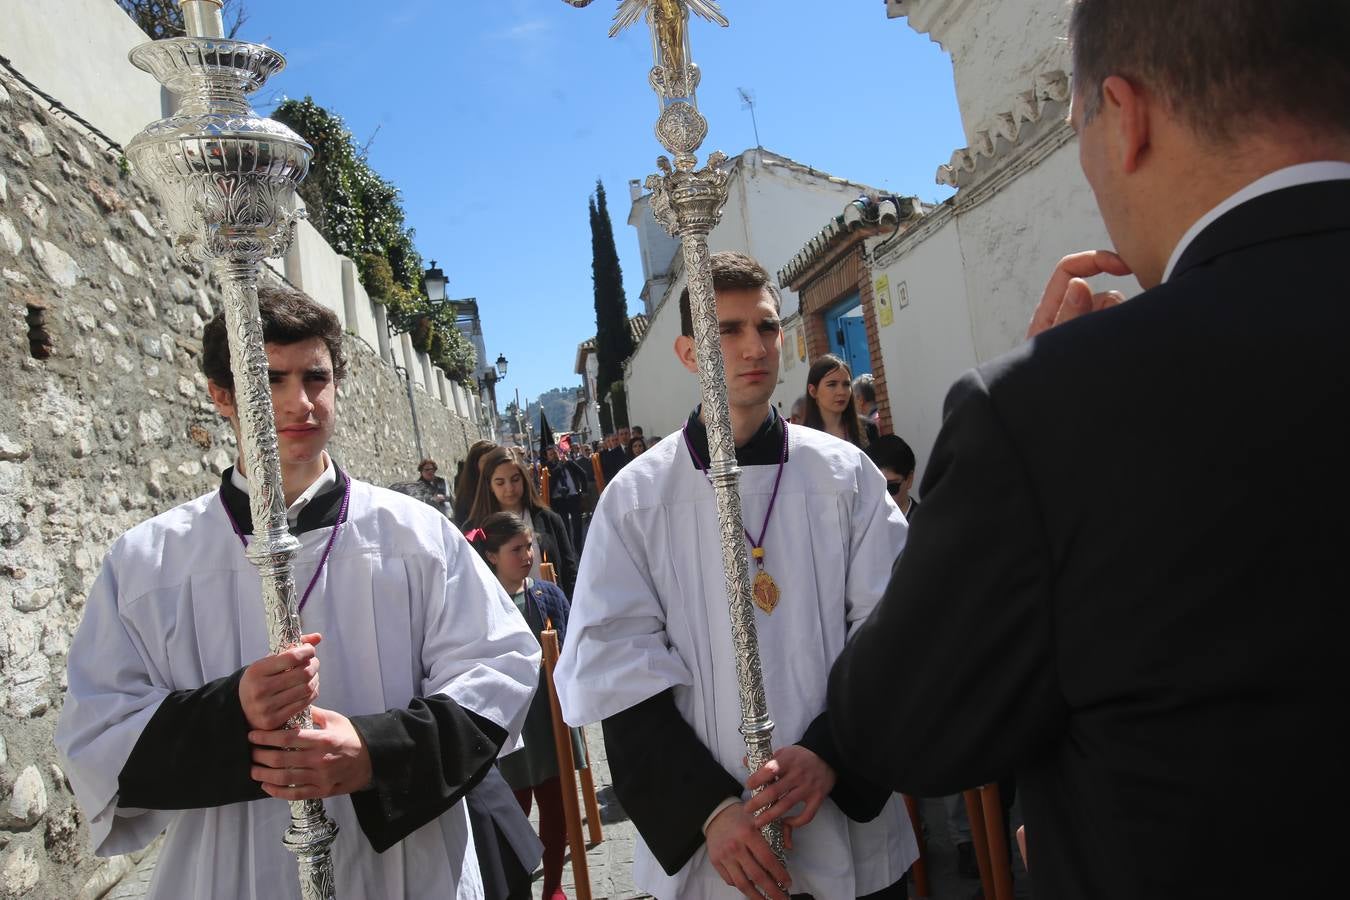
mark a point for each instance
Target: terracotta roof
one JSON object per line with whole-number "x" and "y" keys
{"x": 637, "y": 327}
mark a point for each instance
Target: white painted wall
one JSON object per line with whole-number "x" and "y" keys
{"x": 1012, "y": 242}
{"x": 361, "y": 317}
{"x": 771, "y": 211}
{"x": 313, "y": 267}
{"x": 929, "y": 342}
{"x": 972, "y": 284}
{"x": 76, "y": 50}
{"x": 997, "y": 48}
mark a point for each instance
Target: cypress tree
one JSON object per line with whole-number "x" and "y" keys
{"x": 613, "y": 338}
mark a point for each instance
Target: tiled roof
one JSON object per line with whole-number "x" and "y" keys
{"x": 863, "y": 213}
{"x": 637, "y": 327}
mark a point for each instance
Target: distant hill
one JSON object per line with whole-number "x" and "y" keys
{"x": 558, "y": 405}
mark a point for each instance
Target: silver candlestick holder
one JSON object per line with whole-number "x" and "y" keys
{"x": 227, "y": 178}
{"x": 688, "y": 201}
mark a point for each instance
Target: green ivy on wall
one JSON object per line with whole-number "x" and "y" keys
{"x": 361, "y": 215}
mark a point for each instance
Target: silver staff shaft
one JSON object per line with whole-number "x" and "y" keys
{"x": 688, "y": 202}
{"x": 756, "y": 726}
{"x": 227, "y": 178}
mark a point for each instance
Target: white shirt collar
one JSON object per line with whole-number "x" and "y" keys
{"x": 1290, "y": 176}
{"x": 321, "y": 484}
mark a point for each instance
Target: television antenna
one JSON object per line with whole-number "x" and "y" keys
{"x": 748, "y": 102}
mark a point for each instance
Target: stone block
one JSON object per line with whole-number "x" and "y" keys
{"x": 107, "y": 199}
{"x": 57, "y": 264}
{"x": 11, "y": 450}
{"x": 61, "y": 838}
{"x": 28, "y": 803}
{"x": 35, "y": 138}
{"x": 121, "y": 258}
{"x": 9, "y": 237}
{"x": 35, "y": 210}
{"x": 20, "y": 874}
{"x": 140, "y": 221}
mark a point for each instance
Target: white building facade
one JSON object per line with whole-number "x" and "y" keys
{"x": 773, "y": 205}
{"x": 962, "y": 281}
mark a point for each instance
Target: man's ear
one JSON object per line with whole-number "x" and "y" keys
{"x": 1128, "y": 107}
{"x": 684, "y": 351}
{"x": 223, "y": 398}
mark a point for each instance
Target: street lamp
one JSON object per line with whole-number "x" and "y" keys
{"x": 434, "y": 280}
{"x": 501, "y": 364}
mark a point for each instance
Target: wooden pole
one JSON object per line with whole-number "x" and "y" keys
{"x": 599, "y": 472}
{"x": 997, "y": 841}
{"x": 567, "y": 774}
{"x": 980, "y": 838}
{"x": 545, "y": 481}
{"x": 588, "y": 796}
{"x": 920, "y": 868}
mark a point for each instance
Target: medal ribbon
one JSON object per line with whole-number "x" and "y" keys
{"x": 758, "y": 546}
{"x": 332, "y": 538}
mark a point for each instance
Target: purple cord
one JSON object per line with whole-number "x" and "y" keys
{"x": 778, "y": 479}
{"x": 332, "y": 538}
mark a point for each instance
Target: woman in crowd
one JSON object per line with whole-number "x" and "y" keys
{"x": 637, "y": 446}
{"x": 506, "y": 544}
{"x": 829, "y": 402}
{"x": 466, "y": 487}
{"x": 506, "y": 486}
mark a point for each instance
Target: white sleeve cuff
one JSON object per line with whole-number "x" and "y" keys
{"x": 730, "y": 801}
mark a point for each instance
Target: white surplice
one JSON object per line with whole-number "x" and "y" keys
{"x": 406, "y": 608}
{"x": 650, "y": 613}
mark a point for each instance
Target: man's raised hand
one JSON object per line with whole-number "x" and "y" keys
{"x": 277, "y": 687}
{"x": 1067, "y": 296}
{"x": 324, "y": 761}
{"x": 738, "y": 851}
{"x": 794, "y": 776}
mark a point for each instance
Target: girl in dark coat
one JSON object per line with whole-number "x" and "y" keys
{"x": 506, "y": 544}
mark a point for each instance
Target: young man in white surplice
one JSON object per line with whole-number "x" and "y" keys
{"x": 649, "y": 650}
{"x": 175, "y": 712}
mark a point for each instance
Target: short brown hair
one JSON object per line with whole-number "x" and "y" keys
{"x": 1220, "y": 64}
{"x": 289, "y": 316}
{"x": 732, "y": 271}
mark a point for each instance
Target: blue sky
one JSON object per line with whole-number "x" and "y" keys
{"x": 495, "y": 117}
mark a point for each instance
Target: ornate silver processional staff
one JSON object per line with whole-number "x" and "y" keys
{"x": 688, "y": 202}
{"x": 227, "y": 178}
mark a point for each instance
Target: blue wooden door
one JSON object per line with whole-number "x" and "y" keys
{"x": 848, "y": 336}
{"x": 855, "y": 345}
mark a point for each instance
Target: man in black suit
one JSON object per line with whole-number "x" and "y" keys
{"x": 1092, "y": 599}
{"x": 567, "y": 488}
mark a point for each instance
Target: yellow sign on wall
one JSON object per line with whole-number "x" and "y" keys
{"x": 881, "y": 293}
{"x": 801, "y": 344}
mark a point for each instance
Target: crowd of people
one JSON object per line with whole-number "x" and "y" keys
{"x": 1100, "y": 601}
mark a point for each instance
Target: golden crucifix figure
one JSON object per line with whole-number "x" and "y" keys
{"x": 668, "y": 24}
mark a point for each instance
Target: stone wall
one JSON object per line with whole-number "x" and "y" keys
{"x": 104, "y": 421}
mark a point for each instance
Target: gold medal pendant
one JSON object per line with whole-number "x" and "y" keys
{"x": 765, "y": 591}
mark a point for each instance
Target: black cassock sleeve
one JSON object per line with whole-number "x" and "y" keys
{"x": 194, "y": 752}
{"x": 857, "y": 797}
{"x": 951, "y": 682}
{"x": 425, "y": 759}
{"x": 665, "y": 778}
